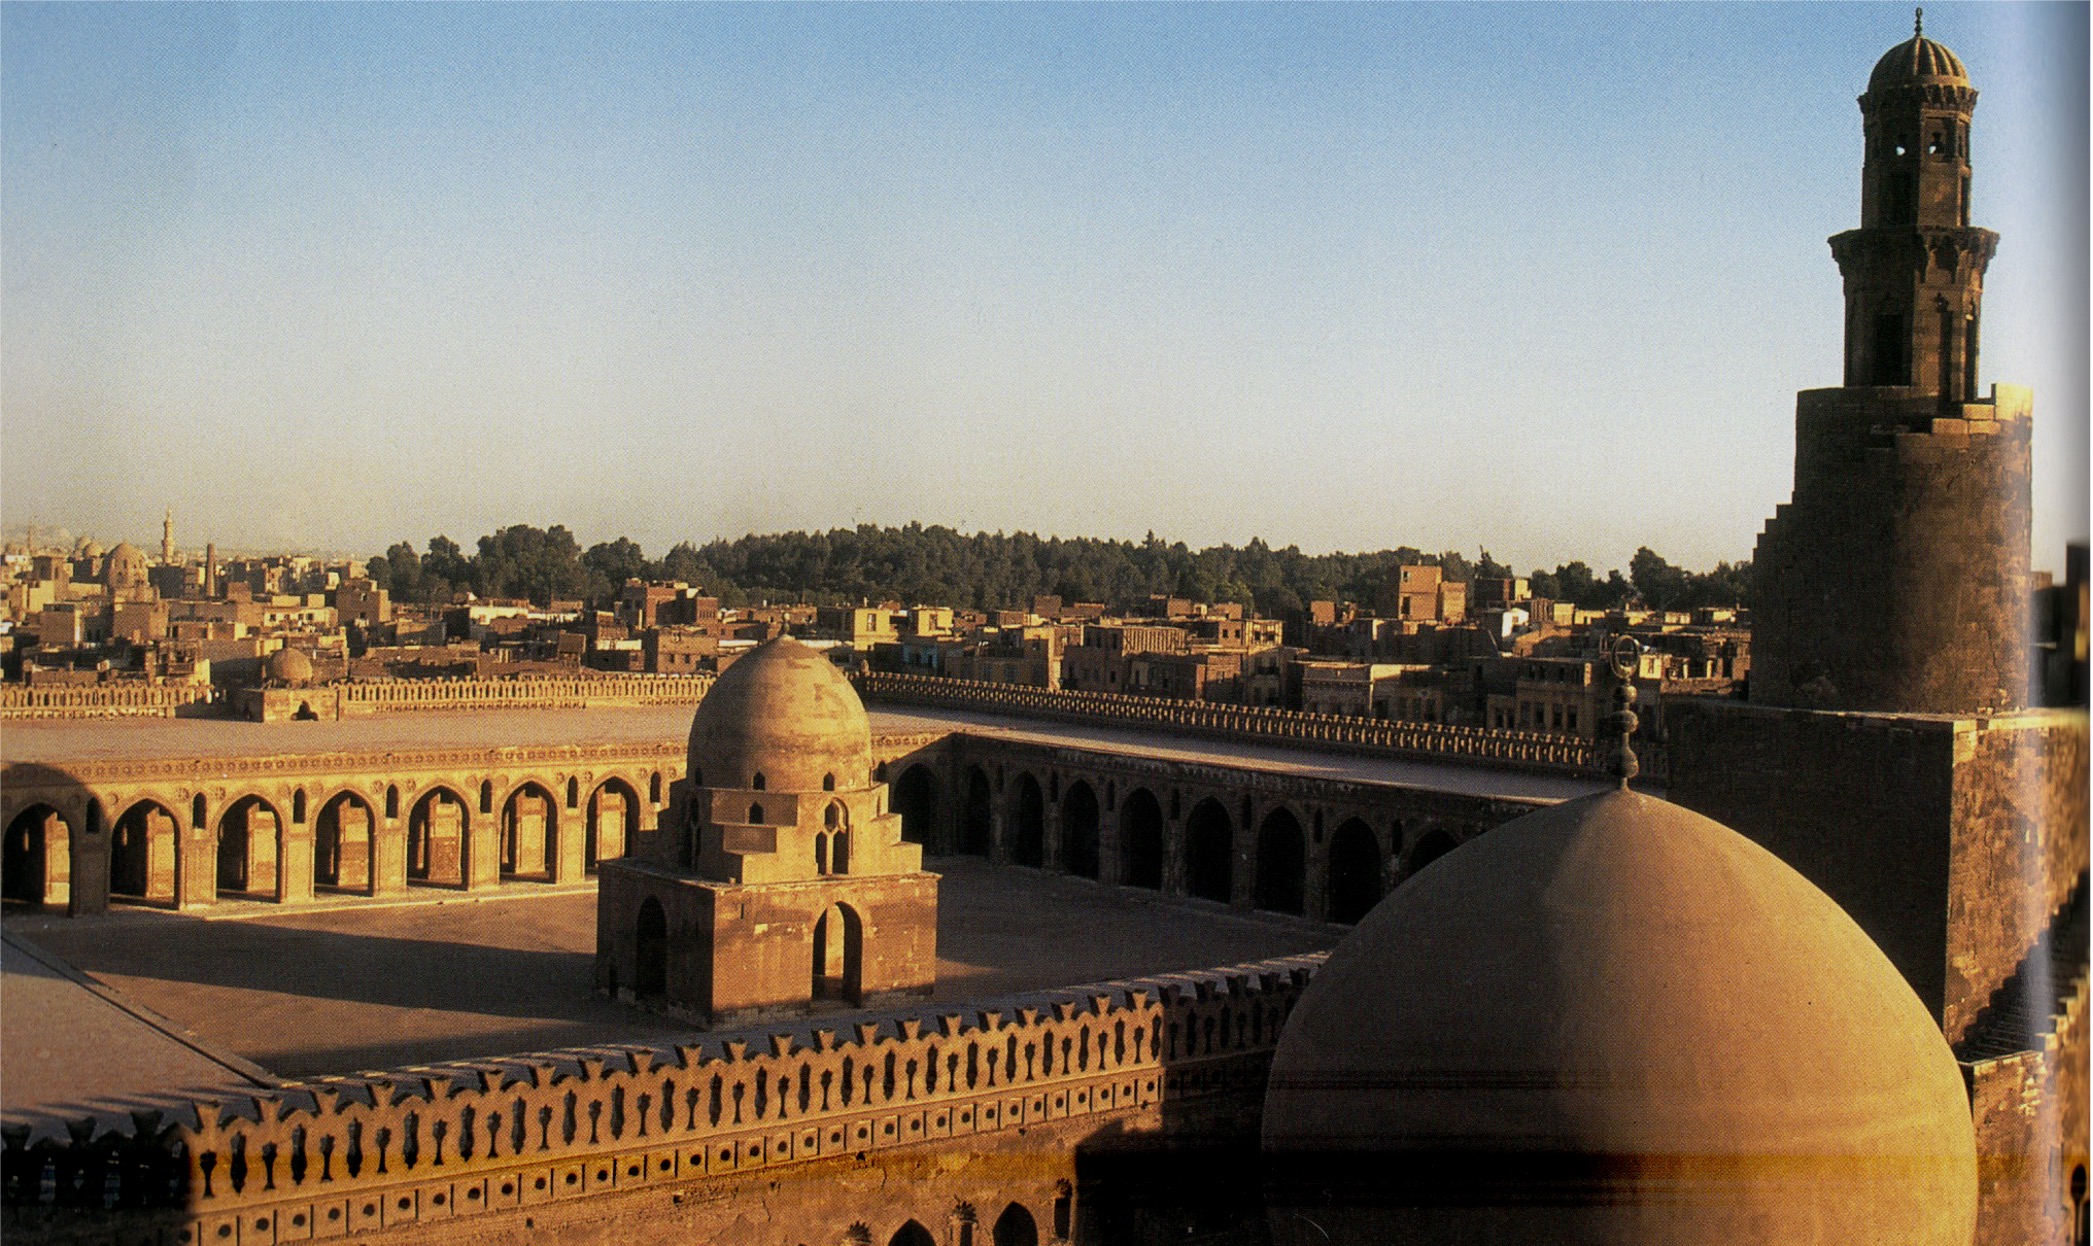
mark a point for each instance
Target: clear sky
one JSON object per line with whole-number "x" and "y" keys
{"x": 1538, "y": 278}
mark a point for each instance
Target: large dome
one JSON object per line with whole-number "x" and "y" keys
{"x": 1616, "y": 1021}
{"x": 1917, "y": 60}
{"x": 786, "y": 713}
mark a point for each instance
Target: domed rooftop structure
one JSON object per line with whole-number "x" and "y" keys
{"x": 1917, "y": 61}
{"x": 125, "y": 567}
{"x": 288, "y": 667}
{"x": 1615, "y": 1021}
{"x": 782, "y": 712}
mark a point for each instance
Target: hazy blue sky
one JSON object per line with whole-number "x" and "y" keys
{"x": 1540, "y": 278}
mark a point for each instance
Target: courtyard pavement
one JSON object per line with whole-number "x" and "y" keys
{"x": 350, "y": 987}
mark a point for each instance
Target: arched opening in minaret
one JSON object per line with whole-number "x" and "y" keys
{"x": 1890, "y": 353}
{"x": 650, "y": 977}
{"x": 838, "y": 954}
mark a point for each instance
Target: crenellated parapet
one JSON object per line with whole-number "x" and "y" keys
{"x": 378, "y": 1151}
{"x": 1379, "y": 737}
{"x": 119, "y": 700}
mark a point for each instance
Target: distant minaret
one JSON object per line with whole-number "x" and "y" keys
{"x": 210, "y": 570}
{"x": 167, "y": 539}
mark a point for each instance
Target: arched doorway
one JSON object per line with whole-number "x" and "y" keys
{"x": 247, "y": 844}
{"x": 1028, "y": 840}
{"x": 838, "y": 954}
{"x": 436, "y": 828}
{"x": 912, "y": 1234}
{"x": 142, "y": 853}
{"x": 1209, "y": 851}
{"x": 612, "y": 823}
{"x": 36, "y": 866}
{"x": 977, "y": 823}
{"x": 1282, "y": 860}
{"x": 342, "y": 844}
{"x": 1141, "y": 840}
{"x": 1079, "y": 819}
{"x": 1354, "y": 873}
{"x": 650, "y": 977}
{"x": 530, "y": 820}
{"x": 915, "y": 799}
{"x": 1430, "y": 848}
{"x": 1015, "y": 1227}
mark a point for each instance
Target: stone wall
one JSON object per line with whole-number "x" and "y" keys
{"x": 509, "y": 1140}
{"x": 2018, "y": 849}
{"x": 2030, "y": 1114}
{"x": 1377, "y": 737}
{"x": 1951, "y": 841}
{"x": 1897, "y": 578}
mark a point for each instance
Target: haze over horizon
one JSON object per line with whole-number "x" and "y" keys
{"x": 1538, "y": 279}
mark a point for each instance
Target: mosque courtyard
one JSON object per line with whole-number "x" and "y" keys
{"x": 359, "y": 985}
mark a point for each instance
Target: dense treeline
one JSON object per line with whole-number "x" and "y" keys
{"x": 990, "y": 570}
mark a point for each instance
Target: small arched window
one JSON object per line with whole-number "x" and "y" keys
{"x": 654, "y": 787}
{"x": 392, "y": 802}
{"x": 196, "y": 811}
{"x": 821, "y": 852}
{"x": 486, "y": 796}
{"x": 839, "y": 853}
{"x": 828, "y": 783}
{"x": 755, "y": 815}
{"x": 573, "y": 794}
{"x": 757, "y": 782}
{"x": 298, "y": 805}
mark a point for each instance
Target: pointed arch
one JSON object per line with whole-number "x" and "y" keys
{"x": 1210, "y": 852}
{"x": 342, "y": 841}
{"x": 837, "y": 955}
{"x": 1354, "y": 872}
{"x": 977, "y": 820}
{"x": 1282, "y": 863}
{"x": 144, "y": 853}
{"x": 1028, "y": 823}
{"x": 530, "y": 832}
{"x": 1141, "y": 843}
{"x": 35, "y": 867}
{"x": 437, "y": 824}
{"x": 1079, "y": 829}
{"x": 1015, "y": 1227}
{"x": 916, "y": 800}
{"x": 611, "y": 823}
{"x": 249, "y": 835}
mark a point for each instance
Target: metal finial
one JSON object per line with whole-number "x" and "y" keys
{"x": 1624, "y": 656}
{"x": 1918, "y": 23}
